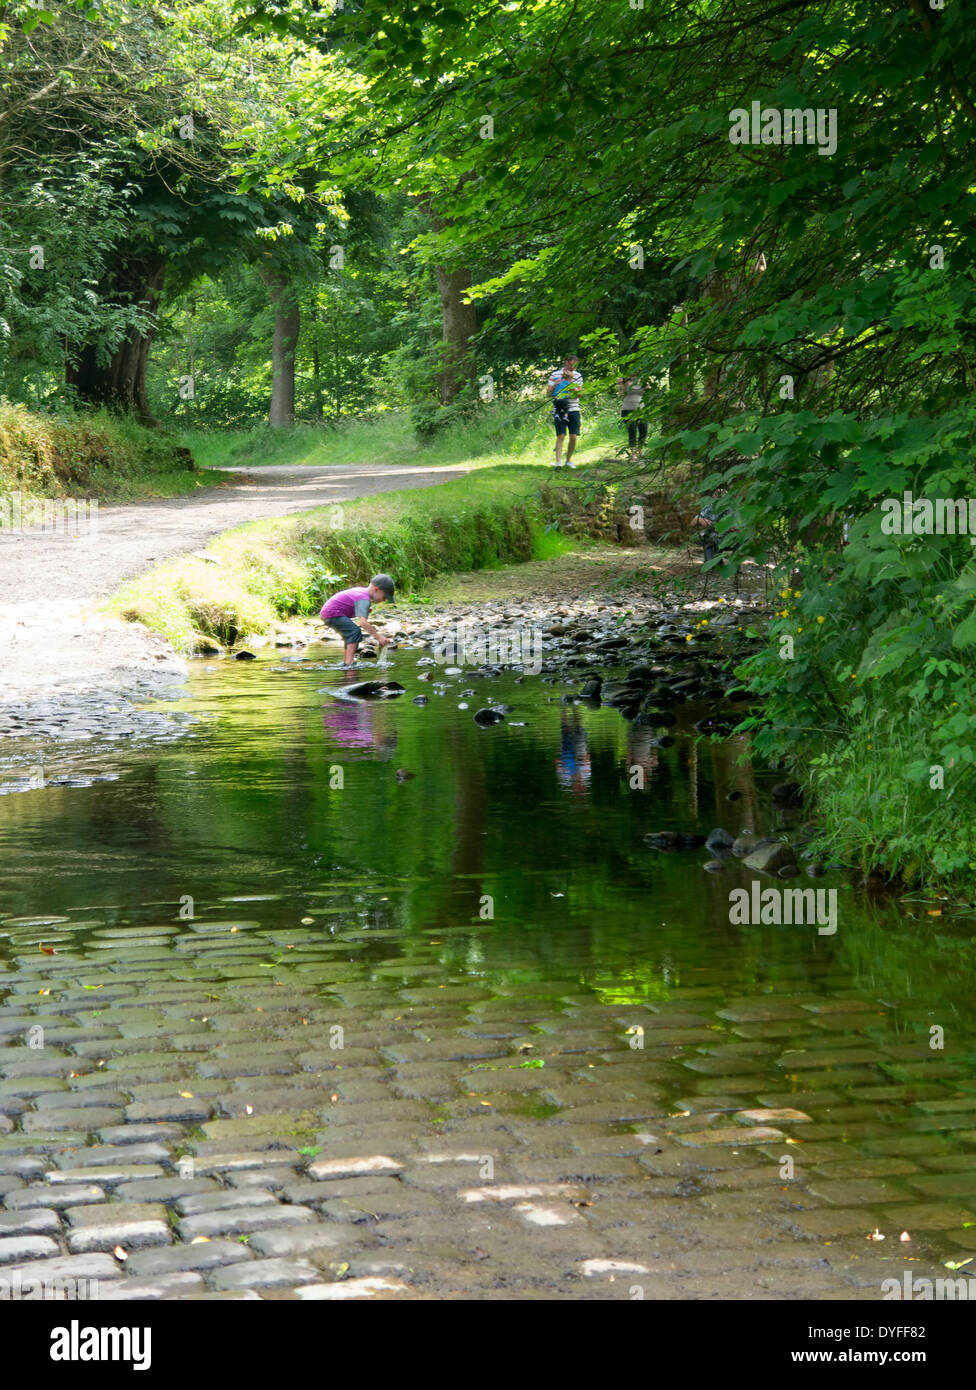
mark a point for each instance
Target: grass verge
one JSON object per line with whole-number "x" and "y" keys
{"x": 267, "y": 570}
{"x": 500, "y": 434}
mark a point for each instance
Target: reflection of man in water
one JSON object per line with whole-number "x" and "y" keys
{"x": 573, "y": 760}
{"x": 352, "y": 724}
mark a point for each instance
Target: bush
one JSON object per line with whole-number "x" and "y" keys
{"x": 429, "y": 420}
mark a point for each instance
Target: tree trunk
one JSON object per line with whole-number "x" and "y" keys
{"x": 459, "y": 327}
{"x": 317, "y": 404}
{"x": 459, "y": 320}
{"x": 287, "y": 324}
{"x": 120, "y": 383}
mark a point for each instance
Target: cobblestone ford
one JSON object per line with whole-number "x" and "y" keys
{"x": 219, "y": 1108}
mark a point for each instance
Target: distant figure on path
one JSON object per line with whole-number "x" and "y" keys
{"x": 342, "y": 607}
{"x": 564, "y": 384}
{"x": 631, "y": 391}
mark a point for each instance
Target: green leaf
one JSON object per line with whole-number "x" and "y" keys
{"x": 965, "y": 633}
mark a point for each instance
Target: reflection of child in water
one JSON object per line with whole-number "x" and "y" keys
{"x": 350, "y": 724}
{"x": 573, "y": 760}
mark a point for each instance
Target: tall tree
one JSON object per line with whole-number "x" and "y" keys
{"x": 459, "y": 322}
{"x": 287, "y": 323}
{"x": 169, "y": 94}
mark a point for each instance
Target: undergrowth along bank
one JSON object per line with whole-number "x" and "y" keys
{"x": 95, "y": 455}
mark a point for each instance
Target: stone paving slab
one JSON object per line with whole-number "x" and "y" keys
{"x": 235, "y": 1221}
{"x": 172, "y": 1259}
{"x": 98, "y": 1268}
{"x": 15, "y": 1249}
{"x": 163, "y": 1286}
{"x": 103, "y": 1226}
{"x": 54, "y": 1198}
{"x": 32, "y": 1222}
{"x": 299, "y": 1240}
{"x": 265, "y": 1274}
{"x": 354, "y": 1289}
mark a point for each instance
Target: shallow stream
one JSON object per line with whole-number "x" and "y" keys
{"x": 503, "y": 891}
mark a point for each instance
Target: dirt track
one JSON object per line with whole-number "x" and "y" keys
{"x": 44, "y": 565}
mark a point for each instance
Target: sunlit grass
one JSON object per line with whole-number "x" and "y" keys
{"x": 502, "y": 435}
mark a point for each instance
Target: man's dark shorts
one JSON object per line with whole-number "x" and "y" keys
{"x": 347, "y": 629}
{"x": 570, "y": 419}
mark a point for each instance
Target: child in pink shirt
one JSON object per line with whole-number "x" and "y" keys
{"x": 341, "y": 608}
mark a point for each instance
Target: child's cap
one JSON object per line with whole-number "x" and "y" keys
{"x": 384, "y": 582}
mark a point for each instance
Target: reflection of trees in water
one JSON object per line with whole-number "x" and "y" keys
{"x": 692, "y": 774}
{"x": 470, "y": 827}
{"x": 642, "y": 752}
{"x": 73, "y": 845}
{"x": 695, "y": 775}
{"x": 635, "y": 925}
{"x": 135, "y": 815}
{"x": 731, "y": 774}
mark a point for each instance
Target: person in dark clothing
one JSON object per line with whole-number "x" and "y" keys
{"x": 631, "y": 391}
{"x": 713, "y": 543}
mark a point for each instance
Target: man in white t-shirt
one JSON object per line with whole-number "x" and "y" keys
{"x": 564, "y": 384}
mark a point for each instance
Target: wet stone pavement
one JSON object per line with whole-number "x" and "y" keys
{"x": 224, "y": 1107}
{"x": 43, "y": 743}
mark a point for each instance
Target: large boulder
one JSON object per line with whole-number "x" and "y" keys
{"x": 743, "y": 845}
{"x": 369, "y": 690}
{"x": 769, "y": 856}
{"x": 719, "y": 840}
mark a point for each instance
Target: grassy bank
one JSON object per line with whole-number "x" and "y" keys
{"x": 96, "y": 455}
{"x": 501, "y": 434}
{"x": 114, "y": 459}
{"x": 267, "y": 570}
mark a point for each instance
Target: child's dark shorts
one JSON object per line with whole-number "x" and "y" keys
{"x": 566, "y": 419}
{"x": 347, "y": 629}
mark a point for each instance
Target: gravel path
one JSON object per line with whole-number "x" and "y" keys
{"x": 50, "y": 640}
